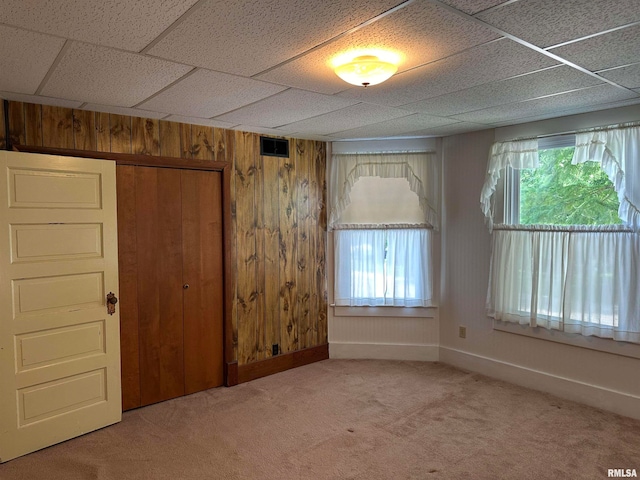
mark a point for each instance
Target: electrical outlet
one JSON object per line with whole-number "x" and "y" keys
{"x": 274, "y": 349}
{"x": 462, "y": 332}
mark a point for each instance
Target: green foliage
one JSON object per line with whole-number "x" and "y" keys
{"x": 559, "y": 193}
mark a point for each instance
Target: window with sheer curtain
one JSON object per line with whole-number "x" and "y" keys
{"x": 561, "y": 262}
{"x": 384, "y": 208}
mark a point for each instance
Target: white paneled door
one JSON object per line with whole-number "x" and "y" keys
{"x": 59, "y": 347}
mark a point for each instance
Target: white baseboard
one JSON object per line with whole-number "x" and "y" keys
{"x": 593, "y": 395}
{"x": 384, "y": 351}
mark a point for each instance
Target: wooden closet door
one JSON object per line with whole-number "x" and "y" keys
{"x": 203, "y": 272}
{"x": 159, "y": 257}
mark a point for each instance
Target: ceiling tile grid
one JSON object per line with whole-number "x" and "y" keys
{"x": 286, "y": 107}
{"x": 627, "y": 76}
{"x": 483, "y": 64}
{"x": 208, "y": 94}
{"x": 245, "y": 37}
{"x": 550, "y": 22}
{"x": 613, "y": 49}
{"x": 265, "y": 65}
{"x": 549, "y": 81}
{"x": 26, "y": 58}
{"x": 420, "y": 33}
{"x": 548, "y": 105}
{"x": 111, "y": 77}
{"x": 124, "y": 24}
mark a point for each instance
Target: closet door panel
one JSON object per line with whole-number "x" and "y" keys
{"x": 202, "y": 258}
{"x": 160, "y": 316}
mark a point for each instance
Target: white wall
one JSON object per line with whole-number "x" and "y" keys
{"x": 606, "y": 380}
{"x": 383, "y": 333}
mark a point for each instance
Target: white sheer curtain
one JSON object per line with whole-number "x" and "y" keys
{"x": 419, "y": 168}
{"x": 575, "y": 279}
{"x": 379, "y": 267}
{"x": 618, "y": 151}
{"x": 516, "y": 154}
{"x": 578, "y": 279}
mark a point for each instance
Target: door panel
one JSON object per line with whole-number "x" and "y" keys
{"x": 159, "y": 239}
{"x": 203, "y": 272}
{"x": 59, "y": 350}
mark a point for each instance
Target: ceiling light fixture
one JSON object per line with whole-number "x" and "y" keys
{"x": 366, "y": 70}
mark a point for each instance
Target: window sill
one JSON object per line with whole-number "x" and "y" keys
{"x": 385, "y": 311}
{"x": 606, "y": 345}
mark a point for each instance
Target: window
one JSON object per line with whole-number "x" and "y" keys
{"x": 382, "y": 216}
{"x": 378, "y": 267}
{"x": 568, "y": 255}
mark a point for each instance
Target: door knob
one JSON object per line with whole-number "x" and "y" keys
{"x": 185, "y": 286}
{"x": 111, "y": 303}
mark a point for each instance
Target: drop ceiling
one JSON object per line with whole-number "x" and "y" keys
{"x": 264, "y": 65}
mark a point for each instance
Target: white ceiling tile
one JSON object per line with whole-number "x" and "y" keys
{"x": 453, "y": 129}
{"x": 274, "y": 132}
{"x": 133, "y": 112}
{"x": 350, "y": 117}
{"x": 613, "y": 49}
{"x": 26, "y": 58}
{"x": 200, "y": 121}
{"x": 39, "y": 99}
{"x": 628, "y": 76}
{"x": 550, "y": 22}
{"x": 487, "y": 63}
{"x": 570, "y": 111}
{"x": 545, "y": 82}
{"x": 396, "y": 127}
{"x": 110, "y": 77}
{"x": 588, "y": 97}
{"x": 245, "y": 37}
{"x": 286, "y": 107}
{"x": 129, "y": 25}
{"x": 206, "y": 94}
{"x": 420, "y": 33}
{"x": 473, "y": 6}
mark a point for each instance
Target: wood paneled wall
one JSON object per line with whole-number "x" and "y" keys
{"x": 278, "y": 209}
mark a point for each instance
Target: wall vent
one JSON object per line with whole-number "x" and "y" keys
{"x": 274, "y": 147}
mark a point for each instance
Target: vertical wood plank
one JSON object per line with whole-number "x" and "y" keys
{"x": 320, "y": 164}
{"x": 260, "y": 251}
{"x": 186, "y": 147}
{"x": 302, "y": 260}
{"x": 202, "y": 254}
{"x": 202, "y": 142}
{"x": 128, "y": 277}
{"x": 288, "y": 236}
{"x": 246, "y": 247}
{"x": 159, "y": 237}
{"x": 57, "y": 127}
{"x": 169, "y": 139}
{"x": 3, "y": 127}
{"x": 314, "y": 200}
{"x": 84, "y": 130}
{"x": 231, "y": 342}
{"x": 33, "y": 124}
{"x": 16, "y": 123}
{"x": 271, "y": 232}
{"x": 120, "y": 130}
{"x": 220, "y": 145}
{"x": 103, "y": 132}
{"x": 145, "y": 136}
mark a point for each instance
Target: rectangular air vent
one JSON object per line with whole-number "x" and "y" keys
{"x": 274, "y": 147}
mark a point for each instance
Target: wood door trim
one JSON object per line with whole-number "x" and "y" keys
{"x": 227, "y": 218}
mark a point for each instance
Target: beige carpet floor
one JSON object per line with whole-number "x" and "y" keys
{"x": 350, "y": 419}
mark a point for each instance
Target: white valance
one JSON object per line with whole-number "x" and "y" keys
{"x": 618, "y": 152}
{"x": 516, "y": 154}
{"x": 419, "y": 168}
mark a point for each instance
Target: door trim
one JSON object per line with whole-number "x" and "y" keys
{"x": 230, "y": 370}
